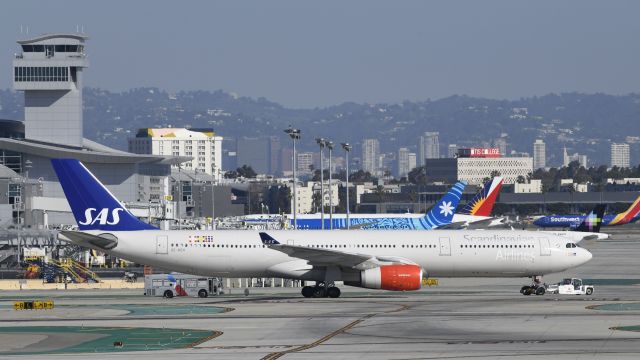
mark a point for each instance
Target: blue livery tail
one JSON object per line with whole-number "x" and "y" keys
{"x": 442, "y": 213}
{"x": 93, "y": 205}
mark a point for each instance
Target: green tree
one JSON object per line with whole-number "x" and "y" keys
{"x": 246, "y": 171}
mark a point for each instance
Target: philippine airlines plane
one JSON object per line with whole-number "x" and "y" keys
{"x": 476, "y": 213}
{"x": 632, "y": 214}
{"x": 390, "y": 260}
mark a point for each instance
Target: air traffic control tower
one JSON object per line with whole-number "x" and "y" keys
{"x": 49, "y": 71}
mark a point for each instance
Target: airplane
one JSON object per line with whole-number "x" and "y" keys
{"x": 389, "y": 260}
{"x": 475, "y": 214}
{"x": 589, "y": 228}
{"x": 631, "y": 215}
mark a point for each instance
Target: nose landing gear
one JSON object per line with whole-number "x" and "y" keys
{"x": 536, "y": 287}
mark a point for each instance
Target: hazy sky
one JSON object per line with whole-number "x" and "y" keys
{"x": 305, "y": 54}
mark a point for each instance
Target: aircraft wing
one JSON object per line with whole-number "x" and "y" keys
{"x": 89, "y": 240}
{"x": 325, "y": 257}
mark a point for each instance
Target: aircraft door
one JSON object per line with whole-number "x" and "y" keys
{"x": 162, "y": 244}
{"x": 545, "y": 247}
{"x": 445, "y": 246}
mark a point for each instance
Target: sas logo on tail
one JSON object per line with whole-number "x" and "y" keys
{"x": 101, "y": 217}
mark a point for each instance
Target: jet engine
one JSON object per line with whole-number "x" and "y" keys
{"x": 390, "y": 277}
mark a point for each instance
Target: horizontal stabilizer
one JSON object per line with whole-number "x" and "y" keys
{"x": 89, "y": 240}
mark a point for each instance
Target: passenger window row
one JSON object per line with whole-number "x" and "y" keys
{"x": 494, "y": 246}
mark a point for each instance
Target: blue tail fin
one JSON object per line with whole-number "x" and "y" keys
{"x": 93, "y": 205}
{"x": 442, "y": 213}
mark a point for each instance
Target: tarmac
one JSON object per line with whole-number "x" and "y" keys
{"x": 459, "y": 319}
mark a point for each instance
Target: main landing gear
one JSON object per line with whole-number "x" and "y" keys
{"x": 536, "y": 287}
{"x": 321, "y": 291}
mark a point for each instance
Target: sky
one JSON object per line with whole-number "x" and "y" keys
{"x": 316, "y": 53}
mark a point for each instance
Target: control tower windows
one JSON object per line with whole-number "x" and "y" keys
{"x": 53, "y": 48}
{"x": 41, "y": 73}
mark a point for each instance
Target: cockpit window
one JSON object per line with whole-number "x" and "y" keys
{"x": 571, "y": 245}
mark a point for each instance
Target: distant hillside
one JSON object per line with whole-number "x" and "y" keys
{"x": 585, "y": 123}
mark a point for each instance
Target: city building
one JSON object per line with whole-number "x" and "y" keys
{"x": 203, "y": 146}
{"x": 261, "y": 153}
{"x": 539, "y": 154}
{"x": 567, "y": 159}
{"x": 501, "y": 143}
{"x": 304, "y": 194}
{"x": 406, "y": 161}
{"x": 533, "y": 187}
{"x": 304, "y": 162}
{"x": 429, "y": 147}
{"x": 452, "y": 150}
{"x": 620, "y": 155}
{"x": 371, "y": 156}
{"x": 475, "y": 165}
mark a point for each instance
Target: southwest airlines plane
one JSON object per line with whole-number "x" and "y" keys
{"x": 631, "y": 215}
{"x": 476, "y": 213}
{"x": 390, "y": 260}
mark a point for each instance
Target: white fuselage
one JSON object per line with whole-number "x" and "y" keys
{"x": 444, "y": 253}
{"x": 457, "y": 218}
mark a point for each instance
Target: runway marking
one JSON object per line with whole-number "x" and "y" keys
{"x": 342, "y": 330}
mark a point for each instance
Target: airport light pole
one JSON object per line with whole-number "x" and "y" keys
{"x": 322, "y": 142}
{"x": 294, "y": 134}
{"x": 330, "y": 147}
{"x": 347, "y": 149}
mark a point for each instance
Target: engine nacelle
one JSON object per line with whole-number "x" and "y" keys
{"x": 392, "y": 277}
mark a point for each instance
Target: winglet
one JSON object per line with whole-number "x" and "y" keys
{"x": 267, "y": 239}
{"x": 593, "y": 221}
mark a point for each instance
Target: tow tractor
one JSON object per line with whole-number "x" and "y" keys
{"x": 573, "y": 286}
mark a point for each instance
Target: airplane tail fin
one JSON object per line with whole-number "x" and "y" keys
{"x": 92, "y": 204}
{"x": 442, "y": 213}
{"x": 627, "y": 215}
{"x": 482, "y": 203}
{"x": 593, "y": 221}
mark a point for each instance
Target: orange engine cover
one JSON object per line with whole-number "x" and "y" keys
{"x": 393, "y": 277}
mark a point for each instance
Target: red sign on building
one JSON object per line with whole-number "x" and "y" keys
{"x": 479, "y": 152}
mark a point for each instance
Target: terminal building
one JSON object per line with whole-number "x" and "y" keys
{"x": 475, "y": 165}
{"x": 49, "y": 70}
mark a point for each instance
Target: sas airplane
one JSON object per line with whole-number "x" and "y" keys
{"x": 389, "y": 260}
{"x": 475, "y": 214}
{"x": 631, "y": 215}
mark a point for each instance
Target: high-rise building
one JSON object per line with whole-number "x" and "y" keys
{"x": 620, "y": 155}
{"x": 429, "y": 146}
{"x": 371, "y": 155}
{"x": 202, "y": 145}
{"x": 567, "y": 159}
{"x": 406, "y": 161}
{"x": 501, "y": 143}
{"x": 261, "y": 153}
{"x": 539, "y": 154}
{"x": 304, "y": 162}
{"x": 49, "y": 71}
{"x": 452, "y": 150}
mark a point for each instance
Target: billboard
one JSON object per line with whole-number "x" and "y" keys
{"x": 479, "y": 152}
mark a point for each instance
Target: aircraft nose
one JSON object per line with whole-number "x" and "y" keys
{"x": 585, "y": 256}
